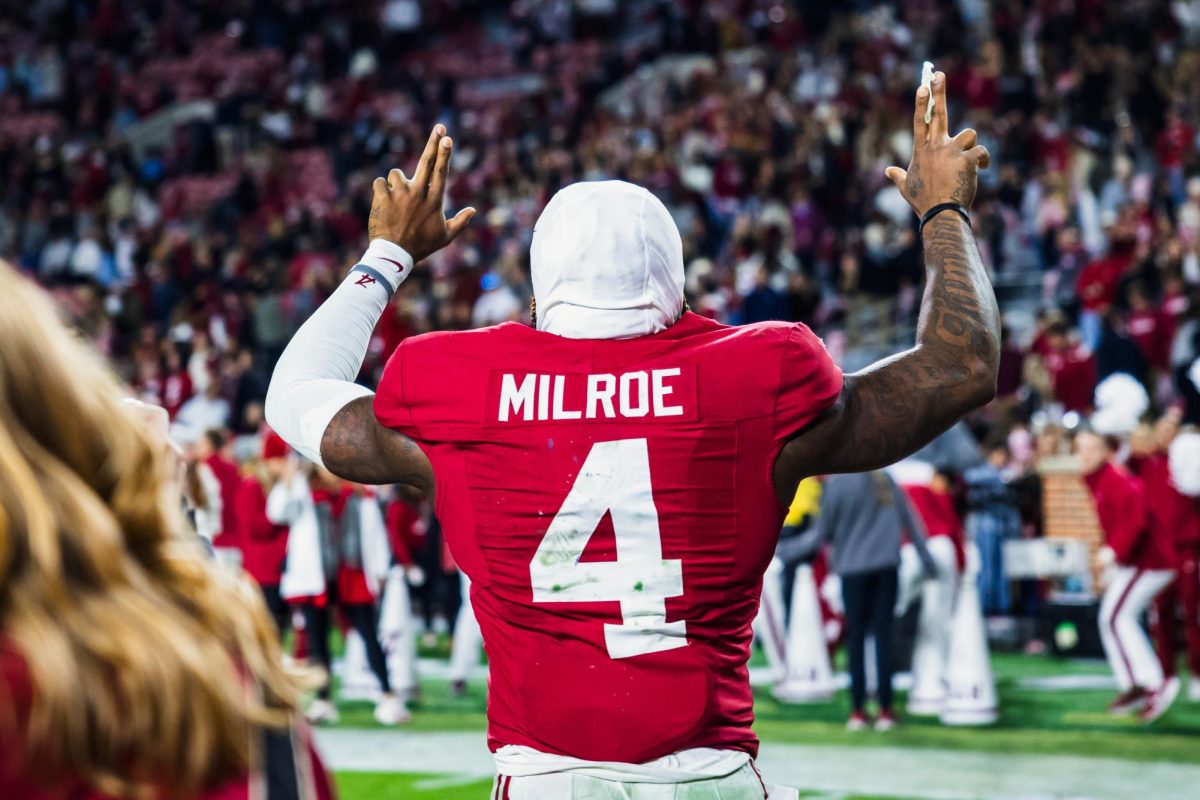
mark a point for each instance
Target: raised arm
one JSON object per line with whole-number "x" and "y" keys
{"x": 897, "y": 405}
{"x": 313, "y": 401}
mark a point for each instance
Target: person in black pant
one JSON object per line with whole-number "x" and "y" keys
{"x": 870, "y": 601}
{"x": 862, "y": 517}
{"x": 363, "y": 619}
{"x": 341, "y": 513}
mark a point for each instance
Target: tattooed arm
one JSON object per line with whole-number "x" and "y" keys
{"x": 897, "y": 405}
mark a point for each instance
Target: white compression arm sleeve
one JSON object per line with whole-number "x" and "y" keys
{"x": 314, "y": 378}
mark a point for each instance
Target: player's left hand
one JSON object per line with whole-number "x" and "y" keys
{"x": 411, "y": 211}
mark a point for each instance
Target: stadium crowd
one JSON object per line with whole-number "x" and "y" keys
{"x": 190, "y": 179}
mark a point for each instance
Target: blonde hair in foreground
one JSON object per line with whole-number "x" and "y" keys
{"x": 150, "y": 669}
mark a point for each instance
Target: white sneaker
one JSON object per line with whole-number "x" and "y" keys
{"x": 1161, "y": 700}
{"x": 390, "y": 710}
{"x": 1194, "y": 689}
{"x": 322, "y": 712}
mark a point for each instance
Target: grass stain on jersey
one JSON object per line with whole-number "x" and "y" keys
{"x": 639, "y": 586}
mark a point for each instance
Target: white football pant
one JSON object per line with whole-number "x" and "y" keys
{"x": 744, "y": 784}
{"x": 1126, "y": 645}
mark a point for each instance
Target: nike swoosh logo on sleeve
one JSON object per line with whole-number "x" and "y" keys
{"x": 399, "y": 266}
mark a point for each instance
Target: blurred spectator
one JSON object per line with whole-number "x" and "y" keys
{"x": 264, "y": 541}
{"x": 992, "y": 520}
{"x": 935, "y": 505}
{"x": 337, "y": 556}
{"x": 792, "y": 550}
{"x": 862, "y": 516}
{"x": 1178, "y": 606}
{"x": 1071, "y": 368}
{"x": 213, "y": 450}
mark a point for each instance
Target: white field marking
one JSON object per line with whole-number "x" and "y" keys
{"x": 881, "y": 771}
{"x": 1060, "y": 683}
{"x": 462, "y": 754}
{"x": 444, "y": 782}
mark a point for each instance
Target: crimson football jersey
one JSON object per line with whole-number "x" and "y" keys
{"x": 612, "y": 503}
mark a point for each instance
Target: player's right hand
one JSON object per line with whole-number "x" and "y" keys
{"x": 942, "y": 169}
{"x": 411, "y": 211}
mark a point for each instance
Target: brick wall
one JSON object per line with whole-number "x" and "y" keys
{"x": 1067, "y": 508}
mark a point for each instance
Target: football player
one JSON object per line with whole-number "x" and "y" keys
{"x": 613, "y": 479}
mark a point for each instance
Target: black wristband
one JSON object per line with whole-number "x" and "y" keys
{"x": 939, "y": 208}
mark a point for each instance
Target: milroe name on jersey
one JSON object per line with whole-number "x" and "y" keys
{"x": 629, "y": 395}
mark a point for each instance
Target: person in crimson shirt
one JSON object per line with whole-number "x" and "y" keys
{"x": 1178, "y": 515}
{"x": 1138, "y": 559}
{"x": 934, "y": 504}
{"x": 1097, "y": 288}
{"x": 264, "y": 543}
{"x": 1071, "y": 367}
{"x": 177, "y": 386}
{"x": 614, "y": 479}
{"x": 406, "y": 524}
{"x": 212, "y": 448}
{"x": 1174, "y": 145}
{"x": 1150, "y": 327}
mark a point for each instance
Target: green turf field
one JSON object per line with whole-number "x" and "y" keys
{"x": 1032, "y": 721}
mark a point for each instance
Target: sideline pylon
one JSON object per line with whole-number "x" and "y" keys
{"x": 769, "y": 626}
{"x": 970, "y": 687}
{"x": 809, "y": 677}
{"x": 932, "y": 648}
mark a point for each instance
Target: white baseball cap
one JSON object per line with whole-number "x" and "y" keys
{"x": 607, "y": 263}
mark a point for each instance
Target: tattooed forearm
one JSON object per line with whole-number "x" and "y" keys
{"x": 894, "y": 407}
{"x": 356, "y": 447}
{"x": 959, "y": 317}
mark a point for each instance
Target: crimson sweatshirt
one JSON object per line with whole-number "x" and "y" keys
{"x": 1120, "y": 499}
{"x": 936, "y": 510}
{"x": 264, "y": 544}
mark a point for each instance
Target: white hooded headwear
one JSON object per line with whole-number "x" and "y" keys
{"x": 607, "y": 263}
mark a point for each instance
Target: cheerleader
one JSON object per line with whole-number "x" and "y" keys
{"x": 1138, "y": 562}
{"x": 337, "y": 554}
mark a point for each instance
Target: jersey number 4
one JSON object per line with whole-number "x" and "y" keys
{"x": 615, "y": 478}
